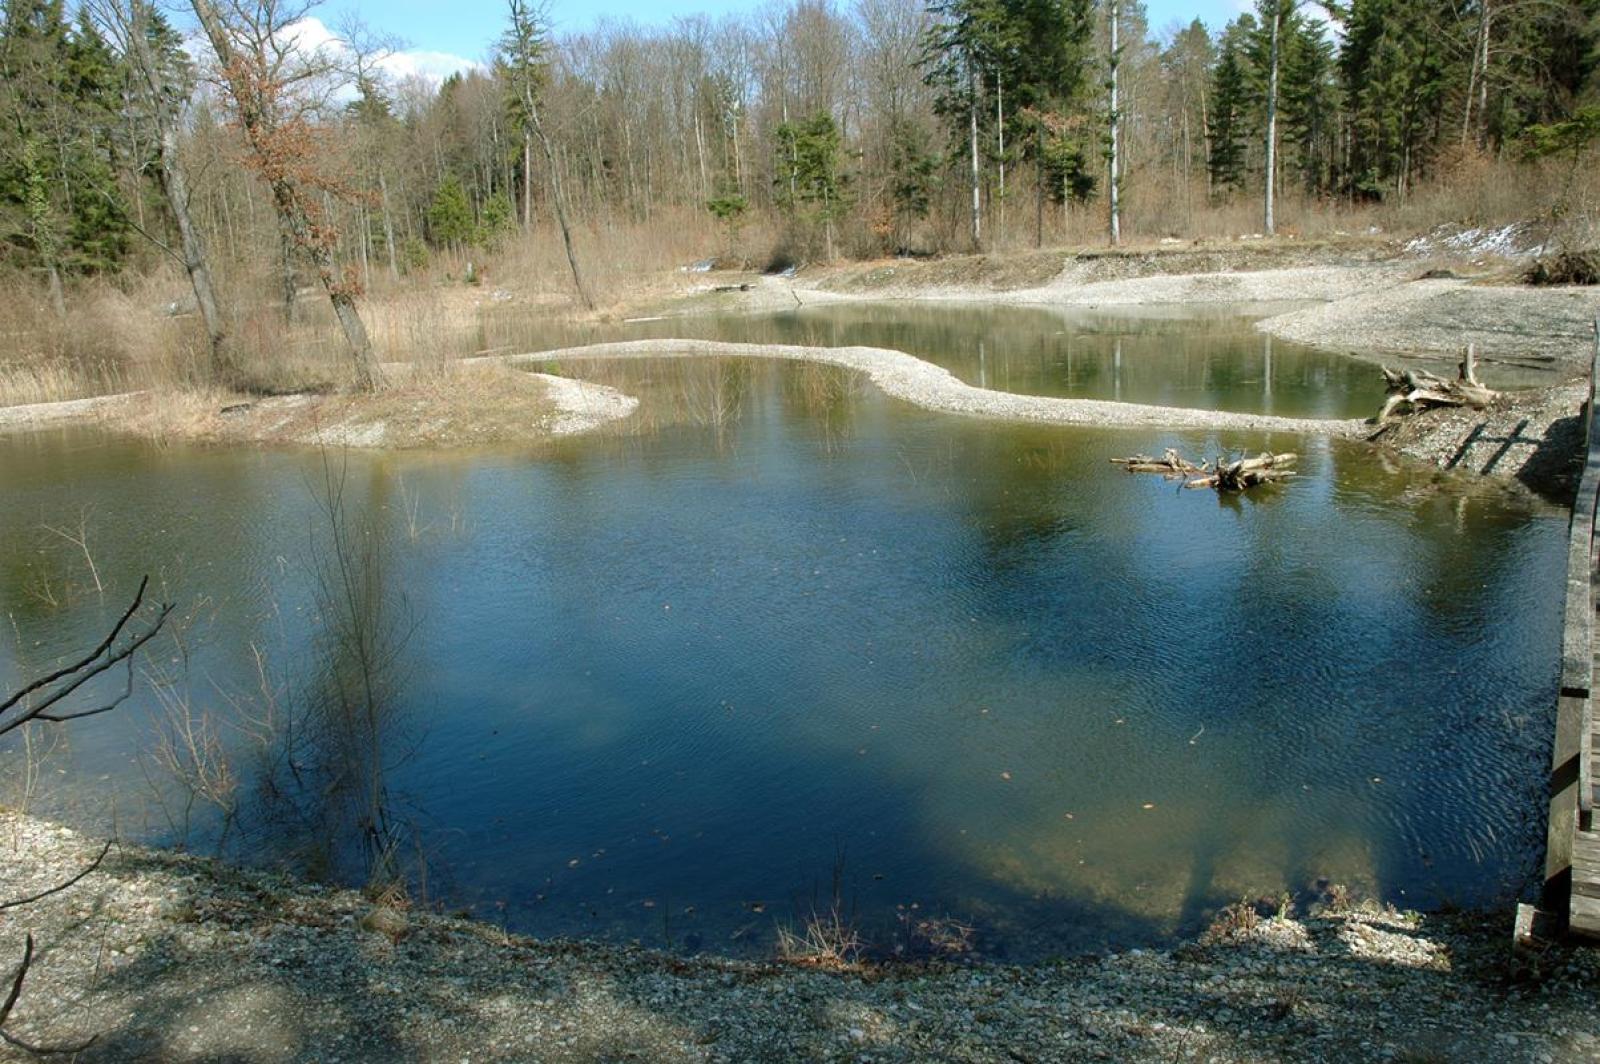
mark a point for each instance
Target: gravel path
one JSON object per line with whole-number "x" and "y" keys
{"x": 175, "y": 959}
{"x": 932, "y": 387}
{"x": 1245, "y": 286}
{"x": 42, "y": 415}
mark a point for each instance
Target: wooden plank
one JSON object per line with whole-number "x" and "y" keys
{"x": 1585, "y": 918}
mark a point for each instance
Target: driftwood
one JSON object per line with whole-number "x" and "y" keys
{"x": 1246, "y": 473}
{"x": 1171, "y": 464}
{"x": 1415, "y": 390}
{"x": 1238, "y": 475}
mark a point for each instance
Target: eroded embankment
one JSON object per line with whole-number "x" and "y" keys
{"x": 906, "y": 377}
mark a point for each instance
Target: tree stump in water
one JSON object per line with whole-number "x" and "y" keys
{"x": 1417, "y": 390}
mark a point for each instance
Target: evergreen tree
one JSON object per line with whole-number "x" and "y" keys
{"x": 913, "y": 170}
{"x": 1230, "y": 114}
{"x": 820, "y": 187}
{"x": 450, "y": 222}
{"x": 60, "y": 101}
{"x": 1395, "y": 75}
{"x": 1309, "y": 103}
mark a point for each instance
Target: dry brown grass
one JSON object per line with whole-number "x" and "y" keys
{"x": 826, "y": 940}
{"x": 112, "y": 339}
{"x": 1469, "y": 188}
{"x": 450, "y": 406}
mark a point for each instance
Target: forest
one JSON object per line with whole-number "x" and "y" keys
{"x": 263, "y": 149}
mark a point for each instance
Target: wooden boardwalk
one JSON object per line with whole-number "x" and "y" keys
{"x": 1572, "y": 862}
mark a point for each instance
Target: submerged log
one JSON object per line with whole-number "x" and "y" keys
{"x": 1415, "y": 390}
{"x": 1238, "y": 475}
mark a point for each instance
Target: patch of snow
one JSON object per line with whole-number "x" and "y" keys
{"x": 1512, "y": 241}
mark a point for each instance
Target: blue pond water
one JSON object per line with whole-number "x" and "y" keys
{"x": 663, "y": 684}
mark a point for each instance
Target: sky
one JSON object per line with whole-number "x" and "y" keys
{"x": 441, "y": 37}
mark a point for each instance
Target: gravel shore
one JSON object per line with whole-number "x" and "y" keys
{"x": 1535, "y": 438}
{"x": 171, "y": 958}
{"x": 1373, "y": 300}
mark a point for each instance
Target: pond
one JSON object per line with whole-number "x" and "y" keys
{"x": 781, "y": 638}
{"x": 1209, "y": 358}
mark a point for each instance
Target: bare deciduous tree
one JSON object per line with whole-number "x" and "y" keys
{"x": 522, "y": 54}
{"x": 157, "y": 81}
{"x": 275, "y": 86}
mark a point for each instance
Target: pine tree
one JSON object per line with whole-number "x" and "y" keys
{"x": 1309, "y": 101}
{"x": 821, "y": 188}
{"x": 450, "y": 222}
{"x": 913, "y": 170}
{"x": 60, "y": 102}
{"x": 1230, "y": 115}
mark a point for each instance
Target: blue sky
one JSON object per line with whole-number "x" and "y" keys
{"x": 439, "y": 33}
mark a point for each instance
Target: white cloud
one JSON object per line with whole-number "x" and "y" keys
{"x": 314, "y": 36}
{"x": 434, "y": 66}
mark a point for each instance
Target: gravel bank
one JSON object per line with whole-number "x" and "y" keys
{"x": 1376, "y": 299}
{"x": 1535, "y": 438}
{"x": 172, "y": 958}
{"x": 1255, "y": 286}
{"x": 1552, "y": 326}
{"x": 931, "y": 387}
{"x": 583, "y": 406}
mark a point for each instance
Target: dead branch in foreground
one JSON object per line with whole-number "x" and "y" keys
{"x": 38, "y": 700}
{"x": 43, "y": 699}
{"x": 1221, "y": 475}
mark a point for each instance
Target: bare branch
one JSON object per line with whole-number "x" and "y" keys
{"x": 16, "y": 982}
{"x": 138, "y": 599}
{"x": 56, "y": 889}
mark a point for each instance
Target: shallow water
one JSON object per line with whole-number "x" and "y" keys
{"x": 1211, "y": 359}
{"x": 658, "y": 685}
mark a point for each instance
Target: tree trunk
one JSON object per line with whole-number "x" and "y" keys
{"x": 58, "y": 299}
{"x": 1038, "y": 194}
{"x": 174, "y": 183}
{"x": 977, "y": 202}
{"x": 254, "y": 102}
{"x": 561, "y": 210}
{"x": 1000, "y": 130}
{"x": 1272, "y": 115}
{"x": 286, "y": 281}
{"x": 388, "y": 227}
{"x": 527, "y": 178}
{"x": 174, "y": 180}
{"x": 1115, "y": 189}
{"x": 1485, "y": 23}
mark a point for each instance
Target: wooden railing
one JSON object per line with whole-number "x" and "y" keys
{"x": 1577, "y": 643}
